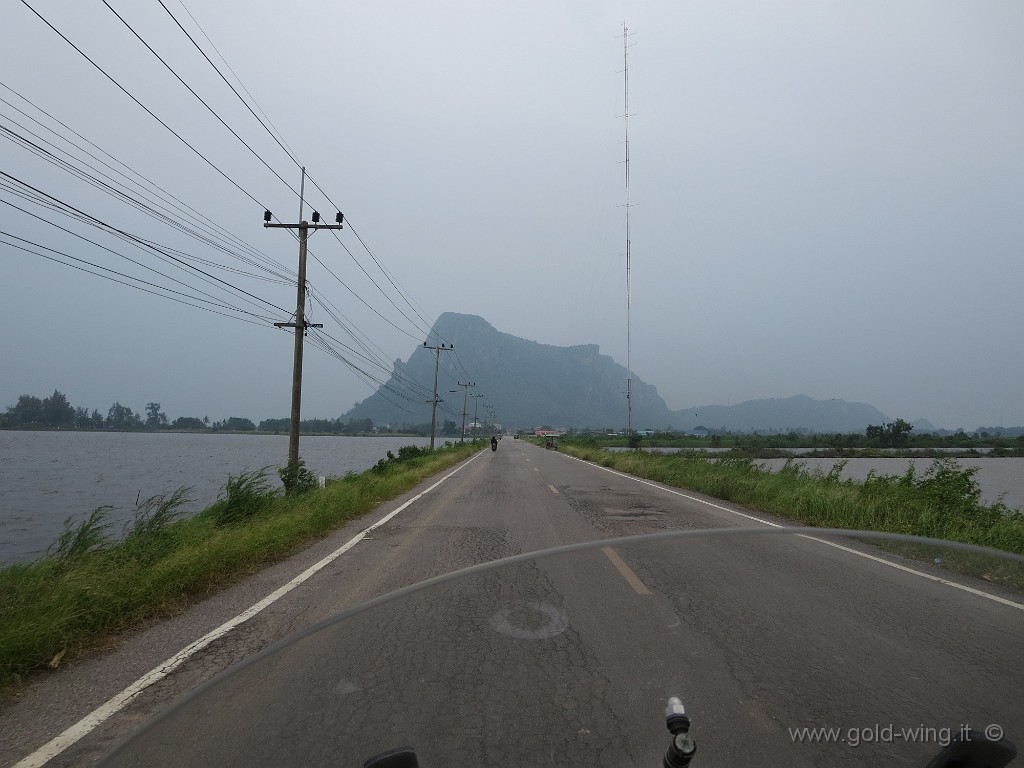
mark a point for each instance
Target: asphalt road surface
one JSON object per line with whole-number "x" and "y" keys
{"x": 566, "y": 660}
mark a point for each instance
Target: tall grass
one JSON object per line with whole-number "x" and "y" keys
{"x": 89, "y": 588}
{"x": 943, "y": 503}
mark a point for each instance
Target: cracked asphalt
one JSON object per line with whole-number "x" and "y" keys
{"x": 556, "y": 661}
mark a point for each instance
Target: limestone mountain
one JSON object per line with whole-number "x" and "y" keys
{"x": 529, "y": 384}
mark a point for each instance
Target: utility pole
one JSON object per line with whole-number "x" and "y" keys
{"x": 465, "y": 392}
{"x": 476, "y": 402}
{"x": 300, "y": 325}
{"x": 433, "y": 408}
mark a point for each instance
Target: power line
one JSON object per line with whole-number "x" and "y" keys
{"x": 320, "y": 344}
{"x": 144, "y": 207}
{"x": 295, "y": 160}
{"x": 292, "y": 157}
{"x": 143, "y": 106}
{"x": 274, "y": 136}
{"x": 148, "y": 207}
{"x": 390, "y": 301}
{"x": 127, "y": 277}
{"x": 133, "y": 261}
{"x": 133, "y": 238}
{"x": 380, "y": 361}
{"x": 200, "y": 98}
{"x": 147, "y": 187}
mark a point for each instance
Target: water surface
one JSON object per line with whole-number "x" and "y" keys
{"x": 46, "y": 477}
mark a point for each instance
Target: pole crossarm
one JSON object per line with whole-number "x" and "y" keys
{"x": 305, "y": 324}
{"x": 268, "y": 225}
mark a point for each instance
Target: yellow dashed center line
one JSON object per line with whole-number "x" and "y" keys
{"x": 627, "y": 573}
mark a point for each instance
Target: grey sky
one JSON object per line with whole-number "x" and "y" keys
{"x": 828, "y": 195}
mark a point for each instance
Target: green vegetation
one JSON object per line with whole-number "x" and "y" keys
{"x": 296, "y": 478}
{"x": 943, "y": 503}
{"x": 877, "y": 440}
{"x": 89, "y": 588}
{"x": 893, "y": 434}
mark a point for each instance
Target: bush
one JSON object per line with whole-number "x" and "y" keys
{"x": 406, "y": 455}
{"x": 297, "y": 479}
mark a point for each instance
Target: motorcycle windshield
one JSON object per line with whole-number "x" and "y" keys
{"x": 785, "y": 646}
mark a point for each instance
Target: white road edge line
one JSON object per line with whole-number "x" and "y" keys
{"x": 61, "y": 742}
{"x": 883, "y": 561}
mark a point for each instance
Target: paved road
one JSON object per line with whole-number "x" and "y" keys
{"x": 560, "y": 661}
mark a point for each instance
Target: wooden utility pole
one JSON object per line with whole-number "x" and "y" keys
{"x": 300, "y": 325}
{"x": 465, "y": 392}
{"x": 476, "y": 402}
{"x": 433, "y": 408}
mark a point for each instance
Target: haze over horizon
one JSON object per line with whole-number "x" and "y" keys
{"x": 829, "y": 198}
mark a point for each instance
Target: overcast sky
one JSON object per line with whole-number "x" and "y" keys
{"x": 829, "y": 196}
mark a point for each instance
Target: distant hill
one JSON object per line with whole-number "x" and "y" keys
{"x": 533, "y": 385}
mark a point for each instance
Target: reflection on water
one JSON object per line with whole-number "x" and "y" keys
{"x": 46, "y": 477}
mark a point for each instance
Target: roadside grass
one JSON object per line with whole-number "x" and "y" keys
{"x": 88, "y": 589}
{"x": 941, "y": 503}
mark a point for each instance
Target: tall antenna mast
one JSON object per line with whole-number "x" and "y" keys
{"x": 629, "y": 263}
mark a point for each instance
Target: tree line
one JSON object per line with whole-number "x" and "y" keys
{"x": 56, "y": 412}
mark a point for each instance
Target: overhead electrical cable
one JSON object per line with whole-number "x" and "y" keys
{"x": 288, "y": 152}
{"x": 361, "y": 299}
{"x": 66, "y": 209}
{"x": 294, "y": 159}
{"x": 386, "y": 274}
{"x": 210, "y": 296}
{"x": 365, "y": 376}
{"x": 144, "y": 207}
{"x": 376, "y": 285}
{"x": 376, "y": 354}
{"x": 111, "y": 228}
{"x": 273, "y": 135}
{"x": 144, "y": 185}
{"x": 150, "y": 247}
{"x": 201, "y": 100}
{"x": 144, "y": 107}
{"x": 161, "y": 291}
